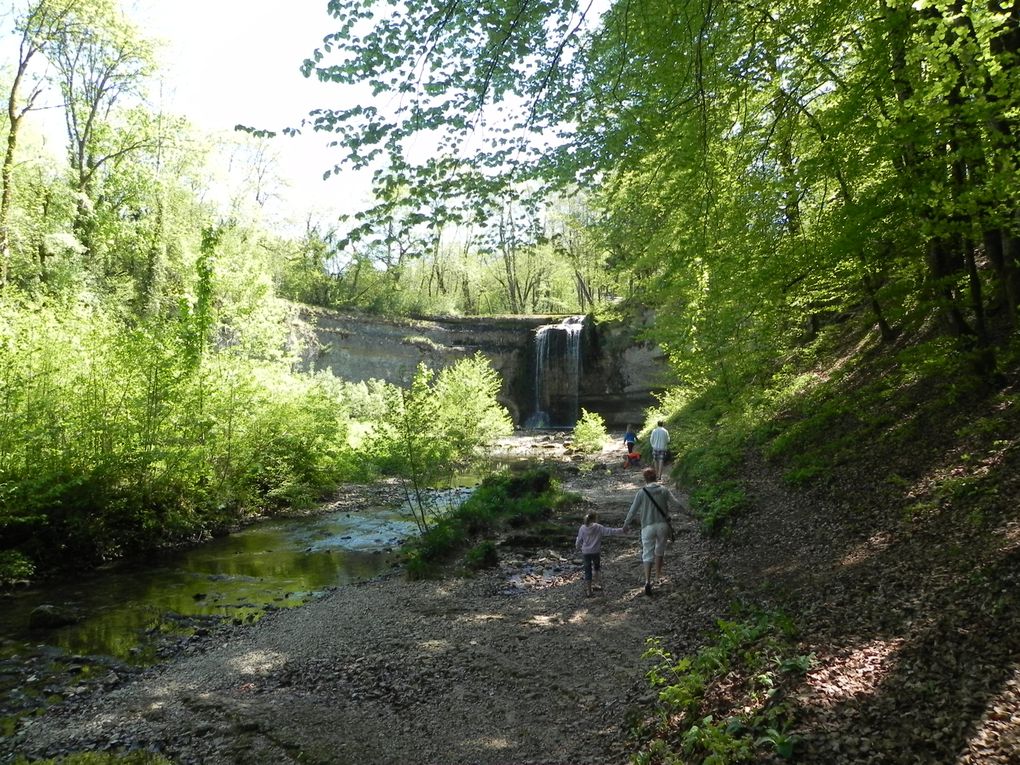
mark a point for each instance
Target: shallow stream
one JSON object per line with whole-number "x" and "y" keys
{"x": 125, "y": 608}
{"x": 130, "y": 613}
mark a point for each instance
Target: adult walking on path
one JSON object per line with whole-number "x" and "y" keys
{"x": 651, "y": 508}
{"x": 659, "y": 440}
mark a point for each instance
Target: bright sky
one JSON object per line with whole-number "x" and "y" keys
{"x": 229, "y": 62}
{"x": 237, "y": 61}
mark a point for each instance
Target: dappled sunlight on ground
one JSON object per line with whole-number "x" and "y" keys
{"x": 544, "y": 620}
{"x": 874, "y": 545}
{"x": 1000, "y": 723}
{"x": 580, "y": 616}
{"x": 616, "y": 618}
{"x": 448, "y": 590}
{"x": 435, "y": 646}
{"x": 497, "y": 743}
{"x": 855, "y": 673}
{"x": 1010, "y": 534}
{"x": 257, "y": 662}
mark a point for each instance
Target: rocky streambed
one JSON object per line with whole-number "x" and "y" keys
{"x": 513, "y": 664}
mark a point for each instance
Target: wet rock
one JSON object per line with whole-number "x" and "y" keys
{"x": 48, "y": 616}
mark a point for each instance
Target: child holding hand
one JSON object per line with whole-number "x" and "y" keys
{"x": 589, "y": 542}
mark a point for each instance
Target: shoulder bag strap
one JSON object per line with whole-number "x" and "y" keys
{"x": 657, "y": 507}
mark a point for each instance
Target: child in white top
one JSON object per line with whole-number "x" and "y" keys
{"x": 589, "y": 542}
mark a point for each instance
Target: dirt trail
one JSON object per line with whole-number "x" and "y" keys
{"x": 514, "y": 665}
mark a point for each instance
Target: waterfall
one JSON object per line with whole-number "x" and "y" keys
{"x": 557, "y": 373}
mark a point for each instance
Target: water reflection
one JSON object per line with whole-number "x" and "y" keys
{"x": 272, "y": 565}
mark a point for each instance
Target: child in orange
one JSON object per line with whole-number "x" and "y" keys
{"x": 589, "y": 542}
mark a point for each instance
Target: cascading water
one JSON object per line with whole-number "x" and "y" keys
{"x": 557, "y": 373}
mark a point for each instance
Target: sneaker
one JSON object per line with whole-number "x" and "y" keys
{"x": 648, "y": 589}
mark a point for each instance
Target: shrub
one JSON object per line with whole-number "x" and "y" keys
{"x": 590, "y": 433}
{"x": 500, "y": 500}
{"x": 482, "y": 555}
{"x": 119, "y": 436}
{"x": 438, "y": 425}
{"x": 14, "y": 567}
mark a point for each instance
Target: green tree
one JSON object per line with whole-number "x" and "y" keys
{"x": 36, "y": 25}
{"x": 757, "y": 170}
{"x": 101, "y": 62}
{"x": 439, "y": 423}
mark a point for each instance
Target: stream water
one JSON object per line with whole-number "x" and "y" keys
{"x": 129, "y": 612}
{"x": 273, "y": 564}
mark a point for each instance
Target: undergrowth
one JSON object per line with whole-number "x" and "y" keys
{"x": 504, "y": 500}
{"x": 827, "y": 407}
{"x": 103, "y": 758}
{"x": 589, "y": 433}
{"x": 748, "y": 665}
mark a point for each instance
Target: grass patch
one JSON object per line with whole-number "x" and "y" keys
{"x": 501, "y": 501}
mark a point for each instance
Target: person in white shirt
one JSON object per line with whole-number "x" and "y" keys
{"x": 659, "y": 440}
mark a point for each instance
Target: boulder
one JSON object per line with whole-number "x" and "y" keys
{"x": 49, "y": 616}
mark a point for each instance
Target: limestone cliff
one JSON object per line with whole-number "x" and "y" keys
{"x": 618, "y": 376}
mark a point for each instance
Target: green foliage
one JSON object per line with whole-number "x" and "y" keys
{"x": 366, "y": 400}
{"x": 116, "y": 437}
{"x": 438, "y": 424}
{"x": 103, "y": 758}
{"x": 514, "y": 259}
{"x": 737, "y": 656}
{"x": 589, "y": 433}
{"x": 718, "y": 502}
{"x": 798, "y": 664}
{"x": 781, "y": 741}
{"x": 500, "y": 500}
{"x": 717, "y": 741}
{"x": 754, "y": 220}
{"x": 482, "y": 555}
{"x": 708, "y": 437}
{"x": 14, "y": 567}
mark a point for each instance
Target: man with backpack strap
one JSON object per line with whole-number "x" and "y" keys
{"x": 651, "y": 508}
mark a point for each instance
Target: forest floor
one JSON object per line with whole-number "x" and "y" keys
{"x": 912, "y": 624}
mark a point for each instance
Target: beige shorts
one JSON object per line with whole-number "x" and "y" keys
{"x": 653, "y": 541}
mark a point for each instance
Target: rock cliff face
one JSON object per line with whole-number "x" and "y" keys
{"x": 617, "y": 377}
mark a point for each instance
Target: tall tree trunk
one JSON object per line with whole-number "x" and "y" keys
{"x": 943, "y": 271}
{"x": 47, "y": 199}
{"x": 6, "y": 176}
{"x": 1005, "y": 47}
{"x": 886, "y": 331}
